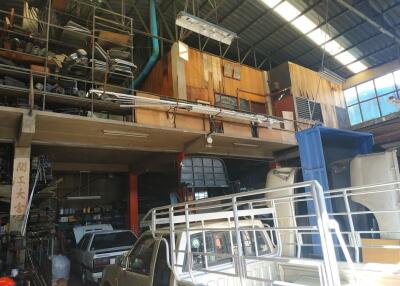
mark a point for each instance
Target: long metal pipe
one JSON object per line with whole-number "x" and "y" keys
{"x": 369, "y": 20}
{"x": 155, "y": 50}
{"x": 134, "y": 101}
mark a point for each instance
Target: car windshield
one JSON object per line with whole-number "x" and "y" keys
{"x": 112, "y": 239}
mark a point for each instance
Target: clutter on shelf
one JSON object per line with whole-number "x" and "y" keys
{"x": 64, "y": 56}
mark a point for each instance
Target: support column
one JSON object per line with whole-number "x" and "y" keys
{"x": 20, "y": 187}
{"x": 21, "y": 169}
{"x": 133, "y": 203}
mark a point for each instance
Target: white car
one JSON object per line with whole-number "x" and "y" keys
{"x": 96, "y": 250}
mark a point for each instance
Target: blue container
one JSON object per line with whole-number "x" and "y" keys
{"x": 321, "y": 146}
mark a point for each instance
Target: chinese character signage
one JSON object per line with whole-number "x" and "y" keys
{"x": 20, "y": 187}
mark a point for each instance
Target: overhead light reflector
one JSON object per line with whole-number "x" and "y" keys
{"x": 238, "y": 144}
{"x": 287, "y": 11}
{"x": 124, "y": 133}
{"x": 331, "y": 76}
{"x": 205, "y": 28}
{"x": 83, "y": 198}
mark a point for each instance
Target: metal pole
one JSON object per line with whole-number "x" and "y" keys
{"x": 328, "y": 249}
{"x": 46, "y": 61}
{"x": 172, "y": 236}
{"x": 93, "y": 43}
{"x": 351, "y": 224}
{"x": 188, "y": 244}
{"x": 239, "y": 241}
{"x": 277, "y": 232}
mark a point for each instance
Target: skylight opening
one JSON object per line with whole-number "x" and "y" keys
{"x": 287, "y": 11}
{"x": 333, "y": 48}
{"x": 306, "y": 26}
{"x": 357, "y": 67}
{"x": 303, "y": 24}
{"x": 345, "y": 58}
{"x": 271, "y": 3}
{"x": 318, "y": 36}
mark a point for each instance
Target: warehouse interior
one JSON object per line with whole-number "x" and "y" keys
{"x": 113, "y": 109}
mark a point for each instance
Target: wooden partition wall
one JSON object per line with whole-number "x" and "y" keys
{"x": 290, "y": 81}
{"x": 189, "y": 74}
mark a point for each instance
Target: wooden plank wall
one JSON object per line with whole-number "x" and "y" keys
{"x": 159, "y": 80}
{"x": 204, "y": 76}
{"x": 307, "y": 83}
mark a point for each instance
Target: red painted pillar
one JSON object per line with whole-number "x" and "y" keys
{"x": 133, "y": 203}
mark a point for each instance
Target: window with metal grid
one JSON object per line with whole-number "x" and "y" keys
{"x": 373, "y": 99}
{"x": 203, "y": 172}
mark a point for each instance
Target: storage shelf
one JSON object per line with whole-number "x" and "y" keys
{"x": 66, "y": 100}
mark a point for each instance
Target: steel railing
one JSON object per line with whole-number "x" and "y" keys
{"x": 259, "y": 214}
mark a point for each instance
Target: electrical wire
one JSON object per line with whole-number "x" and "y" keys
{"x": 322, "y": 60}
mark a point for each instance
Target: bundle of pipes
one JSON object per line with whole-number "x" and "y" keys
{"x": 134, "y": 101}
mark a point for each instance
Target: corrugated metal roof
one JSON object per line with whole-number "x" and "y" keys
{"x": 275, "y": 40}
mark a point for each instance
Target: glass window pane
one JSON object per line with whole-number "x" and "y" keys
{"x": 386, "y": 106}
{"x": 397, "y": 78}
{"x": 350, "y": 95}
{"x": 140, "y": 257}
{"x": 354, "y": 114}
{"x": 366, "y": 90}
{"x": 384, "y": 84}
{"x": 244, "y": 105}
{"x": 116, "y": 239}
{"x": 216, "y": 242}
{"x": 370, "y": 109}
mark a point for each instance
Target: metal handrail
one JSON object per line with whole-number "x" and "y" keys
{"x": 169, "y": 220}
{"x": 349, "y": 238}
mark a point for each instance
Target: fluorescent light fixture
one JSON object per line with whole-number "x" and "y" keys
{"x": 245, "y": 145}
{"x": 271, "y": 3}
{"x": 331, "y": 76}
{"x": 205, "y": 28}
{"x": 345, "y": 58}
{"x": 124, "y": 133}
{"x": 83, "y": 198}
{"x": 318, "y": 36}
{"x": 333, "y": 47}
{"x": 287, "y": 11}
{"x": 303, "y": 24}
{"x": 357, "y": 67}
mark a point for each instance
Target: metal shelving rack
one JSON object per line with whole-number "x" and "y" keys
{"x": 99, "y": 19}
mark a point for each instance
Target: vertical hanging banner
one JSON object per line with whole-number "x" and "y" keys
{"x": 20, "y": 187}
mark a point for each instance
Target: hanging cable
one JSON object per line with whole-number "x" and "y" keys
{"x": 322, "y": 60}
